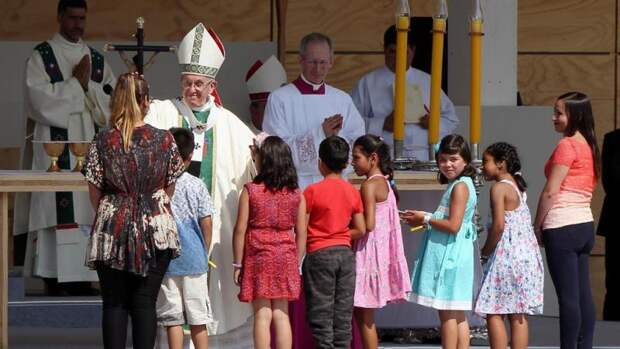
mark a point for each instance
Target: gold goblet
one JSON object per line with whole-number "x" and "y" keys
{"x": 79, "y": 150}
{"x": 53, "y": 150}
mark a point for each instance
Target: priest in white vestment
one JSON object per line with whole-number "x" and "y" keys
{"x": 308, "y": 110}
{"x": 262, "y": 79}
{"x": 221, "y": 159}
{"x": 374, "y": 97}
{"x": 66, "y": 98}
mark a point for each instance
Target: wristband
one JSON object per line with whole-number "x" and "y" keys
{"x": 427, "y": 218}
{"x": 237, "y": 265}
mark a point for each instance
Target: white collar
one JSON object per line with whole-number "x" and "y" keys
{"x": 63, "y": 41}
{"x": 314, "y": 86}
{"x": 205, "y": 107}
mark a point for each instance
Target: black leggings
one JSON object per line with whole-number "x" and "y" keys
{"x": 568, "y": 252}
{"x": 124, "y": 294}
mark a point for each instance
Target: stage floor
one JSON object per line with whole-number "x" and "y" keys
{"x": 544, "y": 333}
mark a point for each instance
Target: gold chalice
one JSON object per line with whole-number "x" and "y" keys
{"x": 53, "y": 150}
{"x": 79, "y": 150}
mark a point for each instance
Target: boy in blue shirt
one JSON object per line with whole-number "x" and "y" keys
{"x": 184, "y": 297}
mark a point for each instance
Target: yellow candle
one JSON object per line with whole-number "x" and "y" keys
{"x": 439, "y": 29}
{"x": 402, "y": 26}
{"x": 476, "y": 64}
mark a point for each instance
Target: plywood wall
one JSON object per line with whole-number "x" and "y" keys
{"x": 166, "y": 20}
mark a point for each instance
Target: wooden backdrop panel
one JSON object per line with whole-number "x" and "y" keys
{"x": 541, "y": 78}
{"x": 567, "y": 25}
{"x": 347, "y": 69}
{"x": 166, "y": 20}
{"x": 356, "y": 26}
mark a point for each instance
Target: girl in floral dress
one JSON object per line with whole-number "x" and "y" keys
{"x": 271, "y": 210}
{"x": 382, "y": 275}
{"x": 514, "y": 276}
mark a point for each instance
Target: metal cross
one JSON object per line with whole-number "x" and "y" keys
{"x": 139, "y": 48}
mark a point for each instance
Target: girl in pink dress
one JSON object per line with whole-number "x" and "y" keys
{"x": 382, "y": 275}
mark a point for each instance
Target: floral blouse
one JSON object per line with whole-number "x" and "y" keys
{"x": 133, "y": 218}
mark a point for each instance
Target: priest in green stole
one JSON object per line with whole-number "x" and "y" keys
{"x": 65, "y": 99}
{"x": 221, "y": 159}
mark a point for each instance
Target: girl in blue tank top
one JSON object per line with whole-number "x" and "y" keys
{"x": 443, "y": 274}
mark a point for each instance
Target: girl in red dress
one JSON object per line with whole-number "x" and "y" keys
{"x": 270, "y": 224}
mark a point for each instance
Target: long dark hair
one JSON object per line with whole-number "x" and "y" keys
{"x": 502, "y": 151}
{"x": 277, "y": 170}
{"x": 578, "y": 108}
{"x": 370, "y": 144}
{"x": 455, "y": 144}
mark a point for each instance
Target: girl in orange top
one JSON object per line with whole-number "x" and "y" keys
{"x": 564, "y": 219}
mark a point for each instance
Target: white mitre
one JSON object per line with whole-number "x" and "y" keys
{"x": 263, "y": 78}
{"x": 201, "y": 52}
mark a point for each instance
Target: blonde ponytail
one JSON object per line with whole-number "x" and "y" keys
{"x": 130, "y": 91}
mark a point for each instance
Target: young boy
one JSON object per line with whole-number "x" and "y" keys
{"x": 184, "y": 289}
{"x": 335, "y": 215}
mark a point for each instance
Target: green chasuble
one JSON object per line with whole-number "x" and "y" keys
{"x": 203, "y": 169}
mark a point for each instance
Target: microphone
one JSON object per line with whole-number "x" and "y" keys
{"x": 107, "y": 89}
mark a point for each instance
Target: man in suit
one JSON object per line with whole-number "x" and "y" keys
{"x": 607, "y": 225}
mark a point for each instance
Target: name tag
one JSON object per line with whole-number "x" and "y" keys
{"x": 199, "y": 143}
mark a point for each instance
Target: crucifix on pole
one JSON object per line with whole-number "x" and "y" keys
{"x": 138, "y": 60}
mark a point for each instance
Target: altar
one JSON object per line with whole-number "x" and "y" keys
{"x": 25, "y": 181}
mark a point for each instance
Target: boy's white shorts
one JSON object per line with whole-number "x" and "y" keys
{"x": 187, "y": 295}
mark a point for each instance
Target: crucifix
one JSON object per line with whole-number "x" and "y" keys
{"x": 138, "y": 60}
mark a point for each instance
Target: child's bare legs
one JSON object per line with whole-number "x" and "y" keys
{"x": 519, "y": 331}
{"x": 365, "y": 318}
{"x": 200, "y": 336}
{"x": 262, "y": 323}
{"x": 282, "y": 324}
{"x": 175, "y": 337}
{"x": 454, "y": 329}
{"x": 498, "y": 339}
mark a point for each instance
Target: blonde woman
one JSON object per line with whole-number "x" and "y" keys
{"x": 131, "y": 169}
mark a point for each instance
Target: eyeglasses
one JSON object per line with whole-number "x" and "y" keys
{"x": 197, "y": 84}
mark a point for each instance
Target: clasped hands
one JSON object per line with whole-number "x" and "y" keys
{"x": 81, "y": 72}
